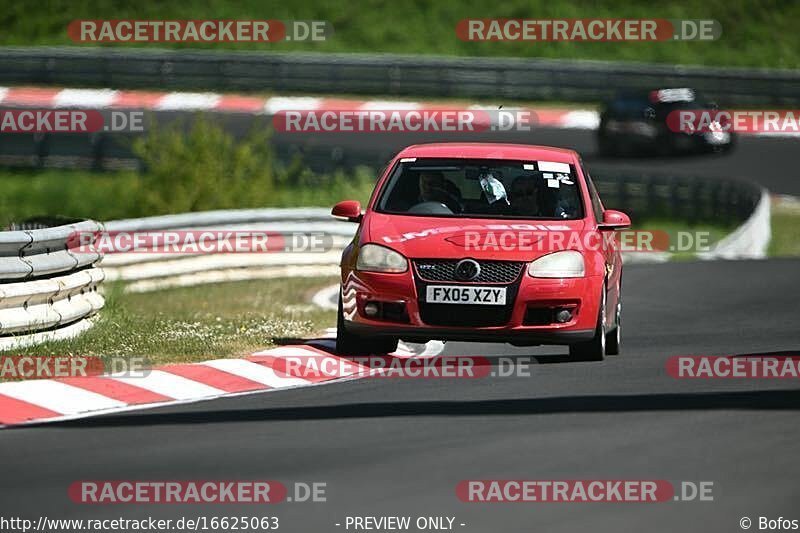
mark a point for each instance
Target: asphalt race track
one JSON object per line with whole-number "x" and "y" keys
{"x": 399, "y": 447}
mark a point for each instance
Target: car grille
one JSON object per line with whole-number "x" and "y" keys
{"x": 491, "y": 271}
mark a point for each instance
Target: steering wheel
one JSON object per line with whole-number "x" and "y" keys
{"x": 431, "y": 207}
{"x": 448, "y": 199}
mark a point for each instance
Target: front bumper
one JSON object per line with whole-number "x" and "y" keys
{"x": 518, "y": 322}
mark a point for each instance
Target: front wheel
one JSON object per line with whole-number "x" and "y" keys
{"x": 595, "y": 348}
{"x": 348, "y": 343}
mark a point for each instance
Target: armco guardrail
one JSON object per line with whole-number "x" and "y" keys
{"x": 386, "y": 74}
{"x": 189, "y": 269}
{"x": 48, "y": 289}
{"x": 685, "y": 198}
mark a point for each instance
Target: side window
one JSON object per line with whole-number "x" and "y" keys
{"x": 597, "y": 205}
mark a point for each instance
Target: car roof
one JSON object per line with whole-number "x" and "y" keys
{"x": 524, "y": 152}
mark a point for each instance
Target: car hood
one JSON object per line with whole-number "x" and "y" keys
{"x": 480, "y": 238}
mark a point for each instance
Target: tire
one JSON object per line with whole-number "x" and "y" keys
{"x": 614, "y": 337}
{"x": 348, "y": 343}
{"x": 595, "y": 348}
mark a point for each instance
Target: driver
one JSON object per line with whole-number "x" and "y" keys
{"x": 433, "y": 187}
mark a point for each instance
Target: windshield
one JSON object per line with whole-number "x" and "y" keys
{"x": 482, "y": 189}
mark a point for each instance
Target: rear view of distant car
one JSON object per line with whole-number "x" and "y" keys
{"x": 635, "y": 123}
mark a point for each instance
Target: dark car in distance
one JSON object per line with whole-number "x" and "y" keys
{"x": 636, "y": 123}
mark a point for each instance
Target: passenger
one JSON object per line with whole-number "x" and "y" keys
{"x": 525, "y": 197}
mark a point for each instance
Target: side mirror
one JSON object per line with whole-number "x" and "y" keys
{"x": 347, "y": 210}
{"x": 614, "y": 220}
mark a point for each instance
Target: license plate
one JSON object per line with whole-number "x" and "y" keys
{"x": 451, "y": 294}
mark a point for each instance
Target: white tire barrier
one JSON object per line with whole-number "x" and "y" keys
{"x": 48, "y": 289}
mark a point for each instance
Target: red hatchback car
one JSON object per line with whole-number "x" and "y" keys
{"x": 482, "y": 242}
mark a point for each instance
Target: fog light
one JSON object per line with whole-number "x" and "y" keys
{"x": 563, "y": 316}
{"x": 371, "y": 309}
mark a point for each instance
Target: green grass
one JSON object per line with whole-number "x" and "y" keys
{"x": 198, "y": 323}
{"x": 755, "y": 33}
{"x": 785, "y": 231}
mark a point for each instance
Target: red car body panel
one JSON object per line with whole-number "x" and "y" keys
{"x": 423, "y": 237}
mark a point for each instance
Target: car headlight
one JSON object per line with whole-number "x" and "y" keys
{"x": 375, "y": 258}
{"x": 566, "y": 264}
